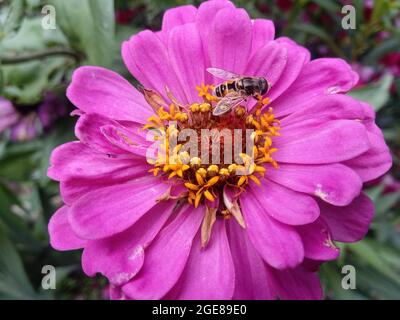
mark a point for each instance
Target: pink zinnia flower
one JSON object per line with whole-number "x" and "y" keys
{"x": 194, "y": 231}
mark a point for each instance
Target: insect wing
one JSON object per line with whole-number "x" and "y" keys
{"x": 222, "y": 74}
{"x": 227, "y": 103}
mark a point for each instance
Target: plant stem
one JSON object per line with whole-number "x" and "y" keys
{"x": 20, "y": 58}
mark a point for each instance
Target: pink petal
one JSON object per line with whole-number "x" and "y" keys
{"x": 297, "y": 284}
{"x": 178, "y": 16}
{"x": 186, "y": 53}
{"x": 263, "y": 32}
{"x": 75, "y": 159}
{"x": 116, "y": 293}
{"x": 319, "y": 77}
{"x": 333, "y": 183}
{"x": 26, "y": 128}
{"x": 369, "y": 120}
{"x": 331, "y": 142}
{"x": 268, "y": 62}
{"x": 317, "y": 241}
{"x": 251, "y": 278}
{"x": 206, "y": 15}
{"x": 273, "y": 198}
{"x": 98, "y": 90}
{"x": 87, "y": 130}
{"x": 166, "y": 257}
{"x": 297, "y": 57}
{"x": 108, "y": 211}
{"x": 278, "y": 244}
{"x": 127, "y": 139}
{"x": 146, "y": 57}
{"x": 233, "y": 29}
{"x": 373, "y": 163}
{"x": 120, "y": 257}
{"x": 209, "y": 273}
{"x": 350, "y": 223}
{"x": 8, "y": 114}
{"x": 325, "y": 108}
{"x": 74, "y": 188}
{"x": 62, "y": 237}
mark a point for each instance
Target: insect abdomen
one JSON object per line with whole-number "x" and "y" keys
{"x": 224, "y": 88}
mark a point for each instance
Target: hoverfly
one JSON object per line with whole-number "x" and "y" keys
{"x": 236, "y": 89}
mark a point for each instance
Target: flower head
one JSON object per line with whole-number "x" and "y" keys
{"x": 177, "y": 225}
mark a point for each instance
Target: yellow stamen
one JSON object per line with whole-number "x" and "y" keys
{"x": 204, "y": 182}
{"x": 208, "y": 195}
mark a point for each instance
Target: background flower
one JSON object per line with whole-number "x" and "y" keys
{"x": 27, "y": 122}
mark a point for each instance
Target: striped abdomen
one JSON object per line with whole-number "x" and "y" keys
{"x": 223, "y": 89}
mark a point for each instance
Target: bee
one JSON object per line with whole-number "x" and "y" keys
{"x": 236, "y": 89}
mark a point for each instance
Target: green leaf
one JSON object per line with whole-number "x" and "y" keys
{"x": 375, "y": 192}
{"x": 371, "y": 253}
{"x": 319, "y": 33}
{"x": 10, "y": 17}
{"x": 17, "y": 163}
{"x": 384, "y": 203}
{"x": 328, "y": 5}
{"x": 14, "y": 283}
{"x": 331, "y": 277}
{"x": 388, "y": 45}
{"x": 25, "y": 83}
{"x": 376, "y": 94}
{"x": 377, "y": 286}
{"x": 32, "y": 37}
{"x": 89, "y": 26}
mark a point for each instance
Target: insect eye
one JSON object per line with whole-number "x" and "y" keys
{"x": 264, "y": 87}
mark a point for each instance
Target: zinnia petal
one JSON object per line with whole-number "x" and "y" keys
{"x": 233, "y": 28}
{"x": 251, "y": 277}
{"x": 317, "y": 241}
{"x": 62, "y": 237}
{"x": 125, "y": 250}
{"x": 167, "y": 255}
{"x": 209, "y": 272}
{"x": 333, "y": 183}
{"x": 350, "y": 223}
{"x": 178, "y": 16}
{"x": 373, "y": 163}
{"x": 98, "y": 90}
{"x": 108, "y": 211}
{"x": 297, "y": 284}
{"x": 279, "y": 244}
{"x": 187, "y": 59}
{"x": 142, "y": 55}
{"x": 319, "y": 77}
{"x": 331, "y": 142}
{"x": 274, "y": 201}
{"x": 263, "y": 32}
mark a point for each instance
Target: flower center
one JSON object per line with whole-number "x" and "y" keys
{"x": 207, "y": 152}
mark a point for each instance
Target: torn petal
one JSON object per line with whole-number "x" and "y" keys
{"x": 206, "y": 227}
{"x": 231, "y": 203}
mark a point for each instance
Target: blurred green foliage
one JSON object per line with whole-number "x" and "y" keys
{"x": 34, "y": 61}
